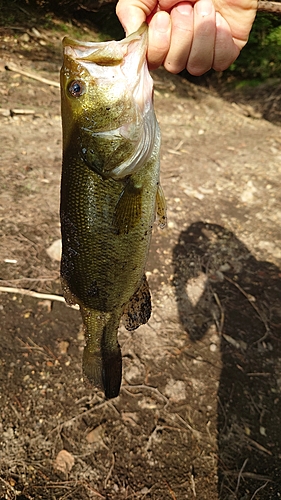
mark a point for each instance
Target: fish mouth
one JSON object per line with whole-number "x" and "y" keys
{"x": 108, "y": 53}
{"x": 124, "y": 60}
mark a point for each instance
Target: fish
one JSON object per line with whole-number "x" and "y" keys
{"x": 110, "y": 194}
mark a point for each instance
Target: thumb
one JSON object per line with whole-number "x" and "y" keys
{"x": 131, "y": 16}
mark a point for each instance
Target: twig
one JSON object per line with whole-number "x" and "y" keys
{"x": 36, "y": 295}
{"x": 146, "y": 387}
{"x": 19, "y": 111}
{"x": 16, "y": 111}
{"x": 239, "y": 476}
{"x": 12, "y": 67}
{"x": 196, "y": 434}
{"x": 171, "y": 491}
{"x": 266, "y": 6}
{"x": 219, "y": 326}
{"x": 259, "y": 489}
{"x": 250, "y": 300}
{"x": 29, "y": 280}
{"x": 259, "y": 446}
{"x": 249, "y": 475}
{"x": 7, "y": 484}
{"x": 69, "y": 422}
{"x": 192, "y": 481}
{"x": 110, "y": 470}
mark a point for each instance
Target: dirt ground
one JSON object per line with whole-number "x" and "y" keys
{"x": 199, "y": 413}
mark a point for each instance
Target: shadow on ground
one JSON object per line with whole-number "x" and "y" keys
{"x": 241, "y": 297}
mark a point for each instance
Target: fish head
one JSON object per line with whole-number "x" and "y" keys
{"x": 106, "y": 97}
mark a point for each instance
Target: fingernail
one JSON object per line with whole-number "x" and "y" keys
{"x": 219, "y": 19}
{"x": 184, "y": 8}
{"x": 161, "y": 21}
{"x": 204, "y": 7}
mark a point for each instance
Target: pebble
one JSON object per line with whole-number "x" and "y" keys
{"x": 175, "y": 390}
{"x": 213, "y": 347}
{"x": 25, "y": 37}
{"x": 54, "y": 251}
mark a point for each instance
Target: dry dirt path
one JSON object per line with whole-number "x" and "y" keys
{"x": 199, "y": 412}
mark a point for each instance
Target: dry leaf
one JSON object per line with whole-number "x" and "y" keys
{"x": 64, "y": 462}
{"x": 95, "y": 436}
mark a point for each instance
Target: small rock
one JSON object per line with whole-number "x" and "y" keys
{"x": 46, "y": 304}
{"x": 262, "y": 430}
{"x": 175, "y": 390}
{"x": 95, "y": 436}
{"x": 36, "y": 32}
{"x": 9, "y": 433}
{"x": 213, "y": 347}
{"x": 54, "y": 251}
{"x": 63, "y": 346}
{"x": 248, "y": 195}
{"x": 25, "y": 37}
{"x": 196, "y": 287}
{"x": 133, "y": 372}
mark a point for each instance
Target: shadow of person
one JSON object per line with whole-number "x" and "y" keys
{"x": 219, "y": 282}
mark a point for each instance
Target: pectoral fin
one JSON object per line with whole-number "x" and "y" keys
{"x": 137, "y": 311}
{"x": 161, "y": 207}
{"x": 128, "y": 209}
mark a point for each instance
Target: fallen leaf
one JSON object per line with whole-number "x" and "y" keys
{"x": 64, "y": 462}
{"x": 95, "y": 436}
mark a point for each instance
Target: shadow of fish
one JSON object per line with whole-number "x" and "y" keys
{"x": 109, "y": 194}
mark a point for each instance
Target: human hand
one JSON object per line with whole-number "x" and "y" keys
{"x": 196, "y": 35}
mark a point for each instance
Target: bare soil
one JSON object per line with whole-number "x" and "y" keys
{"x": 199, "y": 413}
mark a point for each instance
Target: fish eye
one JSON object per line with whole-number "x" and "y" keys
{"x": 76, "y": 88}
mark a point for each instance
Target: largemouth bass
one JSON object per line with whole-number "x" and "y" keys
{"x": 110, "y": 193}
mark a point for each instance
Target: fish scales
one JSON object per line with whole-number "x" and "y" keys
{"x": 109, "y": 194}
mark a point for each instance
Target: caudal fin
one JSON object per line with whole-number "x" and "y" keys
{"x": 112, "y": 373}
{"x": 104, "y": 370}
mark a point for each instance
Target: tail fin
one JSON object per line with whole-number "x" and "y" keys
{"x": 104, "y": 371}
{"x": 102, "y": 364}
{"x": 112, "y": 373}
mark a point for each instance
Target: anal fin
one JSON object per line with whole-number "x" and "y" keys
{"x": 69, "y": 297}
{"x": 138, "y": 310}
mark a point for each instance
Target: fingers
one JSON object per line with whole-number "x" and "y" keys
{"x": 226, "y": 51}
{"x": 132, "y": 14}
{"x": 159, "y": 36}
{"x": 201, "y": 39}
{"x": 192, "y": 38}
{"x": 203, "y": 46}
{"x": 181, "y": 37}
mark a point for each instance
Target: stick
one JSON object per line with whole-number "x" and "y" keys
{"x": 12, "y": 67}
{"x": 18, "y": 111}
{"x": 36, "y": 295}
{"x": 266, "y": 6}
